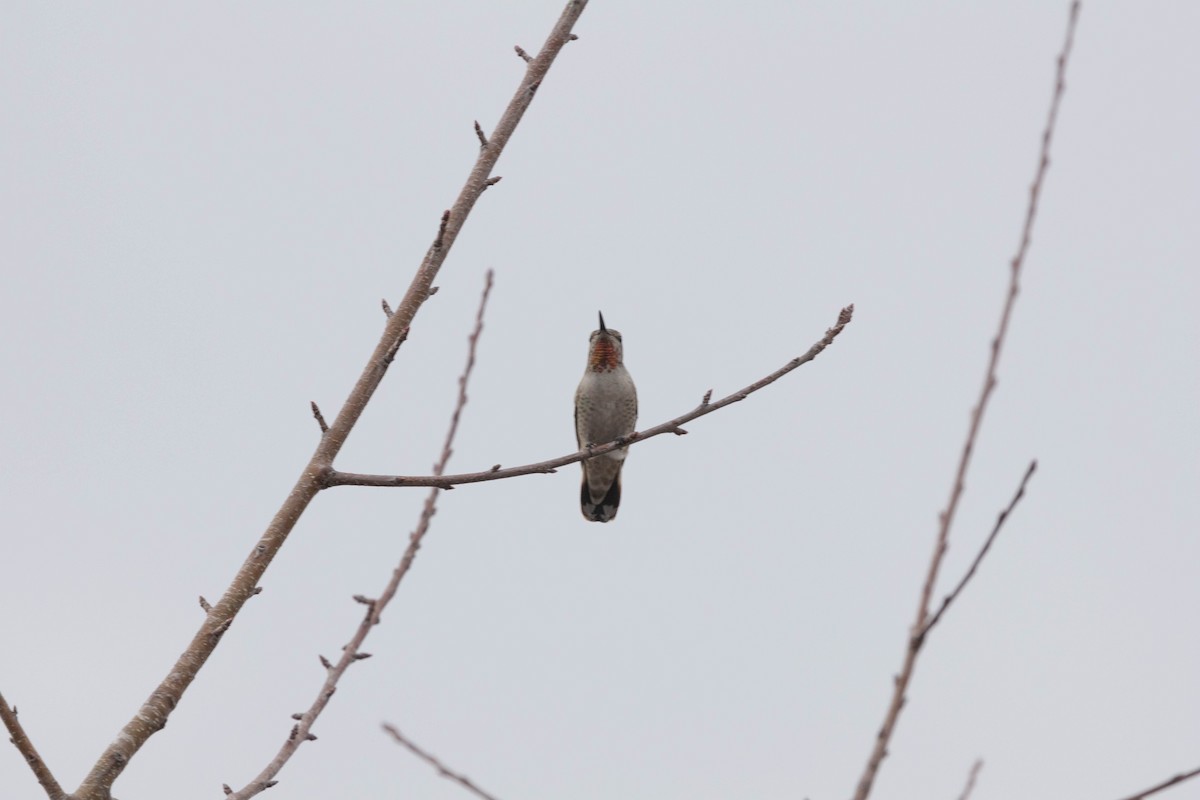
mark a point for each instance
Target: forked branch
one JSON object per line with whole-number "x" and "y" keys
{"x": 1001, "y": 518}
{"x": 920, "y": 626}
{"x": 332, "y": 477}
{"x": 152, "y": 715}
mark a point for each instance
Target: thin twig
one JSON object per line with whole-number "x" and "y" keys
{"x": 479, "y": 133}
{"x": 971, "y": 778}
{"x": 25, "y": 747}
{"x": 445, "y": 771}
{"x": 983, "y": 551}
{"x": 916, "y": 636}
{"x": 300, "y": 732}
{"x": 319, "y": 417}
{"x": 153, "y": 714}
{"x": 1167, "y": 784}
{"x": 337, "y": 478}
{"x": 521, "y": 52}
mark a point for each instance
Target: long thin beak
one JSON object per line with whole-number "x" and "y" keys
{"x": 602, "y": 328}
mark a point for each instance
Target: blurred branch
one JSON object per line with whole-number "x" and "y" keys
{"x": 1167, "y": 784}
{"x": 25, "y": 747}
{"x": 971, "y": 778}
{"x": 152, "y": 715}
{"x": 445, "y": 771}
{"x": 352, "y": 652}
{"x": 916, "y": 636}
{"x": 334, "y": 477}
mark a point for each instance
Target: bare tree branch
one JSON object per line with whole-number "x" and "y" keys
{"x": 445, "y": 771}
{"x": 334, "y": 477}
{"x": 152, "y": 715}
{"x": 25, "y": 747}
{"x": 319, "y": 417}
{"x": 983, "y": 551}
{"x": 971, "y": 778}
{"x": 1167, "y": 784}
{"x": 917, "y": 633}
{"x": 351, "y": 653}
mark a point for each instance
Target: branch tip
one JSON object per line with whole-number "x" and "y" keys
{"x": 591, "y": 449}
{"x": 387, "y": 309}
{"x": 204, "y": 604}
{"x": 483, "y": 142}
{"x": 521, "y": 52}
{"x": 316, "y": 412}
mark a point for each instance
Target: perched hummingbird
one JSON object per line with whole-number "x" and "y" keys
{"x": 605, "y": 409}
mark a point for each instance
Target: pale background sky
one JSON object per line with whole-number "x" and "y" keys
{"x": 202, "y": 205}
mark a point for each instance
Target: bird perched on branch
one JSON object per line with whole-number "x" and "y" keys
{"x": 605, "y": 410}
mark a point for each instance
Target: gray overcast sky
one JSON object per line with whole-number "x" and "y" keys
{"x": 202, "y": 205}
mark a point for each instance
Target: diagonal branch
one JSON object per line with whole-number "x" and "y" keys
{"x": 333, "y": 477}
{"x": 442, "y": 769}
{"x": 916, "y": 636}
{"x": 152, "y": 715}
{"x": 25, "y": 747}
{"x": 983, "y": 551}
{"x": 1167, "y": 784}
{"x": 971, "y": 778}
{"x": 352, "y": 653}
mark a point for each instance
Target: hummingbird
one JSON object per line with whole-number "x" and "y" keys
{"x": 605, "y": 409}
